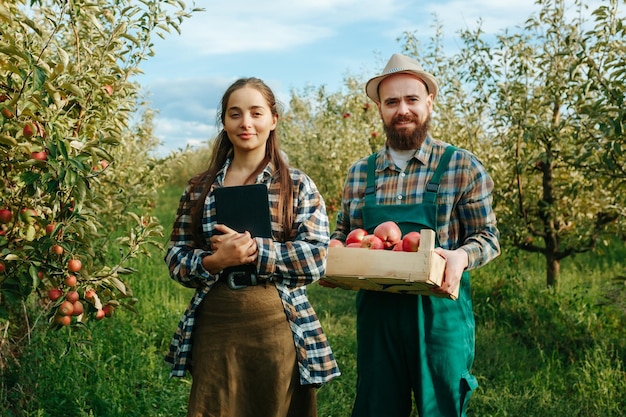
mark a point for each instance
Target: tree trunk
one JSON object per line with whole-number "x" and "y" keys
{"x": 553, "y": 270}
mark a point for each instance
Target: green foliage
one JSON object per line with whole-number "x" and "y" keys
{"x": 536, "y": 88}
{"x": 76, "y": 173}
{"x": 539, "y": 351}
{"x": 323, "y": 134}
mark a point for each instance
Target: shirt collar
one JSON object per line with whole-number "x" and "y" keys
{"x": 267, "y": 172}
{"x": 422, "y": 154}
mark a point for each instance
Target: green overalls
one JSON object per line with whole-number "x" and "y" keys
{"x": 412, "y": 343}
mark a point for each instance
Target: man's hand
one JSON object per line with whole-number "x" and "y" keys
{"x": 456, "y": 262}
{"x": 326, "y": 284}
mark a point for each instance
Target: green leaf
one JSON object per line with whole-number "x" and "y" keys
{"x": 118, "y": 284}
{"x": 7, "y": 140}
{"x": 30, "y": 177}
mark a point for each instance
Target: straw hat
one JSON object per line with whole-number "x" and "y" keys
{"x": 401, "y": 64}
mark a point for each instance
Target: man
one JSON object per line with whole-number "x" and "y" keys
{"x": 410, "y": 343}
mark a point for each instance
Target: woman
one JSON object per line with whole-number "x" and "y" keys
{"x": 257, "y": 350}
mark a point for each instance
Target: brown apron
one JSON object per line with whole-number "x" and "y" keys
{"x": 244, "y": 357}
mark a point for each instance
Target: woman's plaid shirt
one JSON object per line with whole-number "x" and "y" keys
{"x": 291, "y": 266}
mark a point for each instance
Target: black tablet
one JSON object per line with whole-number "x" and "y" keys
{"x": 244, "y": 208}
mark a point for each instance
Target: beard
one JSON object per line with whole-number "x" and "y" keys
{"x": 403, "y": 139}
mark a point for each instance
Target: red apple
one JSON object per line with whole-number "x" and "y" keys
{"x": 50, "y": 228}
{"x": 72, "y": 296}
{"x": 57, "y": 249}
{"x": 39, "y": 156}
{"x": 372, "y": 242}
{"x": 99, "y": 314}
{"x": 54, "y": 294}
{"x": 74, "y": 265}
{"x": 397, "y": 247}
{"x": 108, "y": 89}
{"x": 90, "y": 294}
{"x": 2, "y": 268}
{"x": 389, "y": 232}
{"x": 356, "y": 236}
{"x": 411, "y": 241}
{"x": 5, "y": 216}
{"x": 335, "y": 243}
{"x": 70, "y": 280}
{"x": 66, "y": 308}
{"x": 108, "y": 310}
{"x": 78, "y": 308}
{"x": 8, "y": 114}
{"x": 29, "y": 130}
{"x": 63, "y": 320}
{"x": 353, "y": 245}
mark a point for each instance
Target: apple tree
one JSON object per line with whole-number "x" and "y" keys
{"x": 554, "y": 119}
{"x": 324, "y": 133}
{"x": 77, "y": 178}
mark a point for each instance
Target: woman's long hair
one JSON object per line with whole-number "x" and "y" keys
{"x": 223, "y": 148}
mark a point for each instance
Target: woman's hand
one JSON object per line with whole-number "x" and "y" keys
{"x": 231, "y": 248}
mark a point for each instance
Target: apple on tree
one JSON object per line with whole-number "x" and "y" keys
{"x": 389, "y": 232}
{"x": 78, "y": 308}
{"x": 54, "y": 294}
{"x": 50, "y": 228}
{"x": 5, "y": 215}
{"x": 72, "y": 296}
{"x": 100, "y": 314}
{"x": 66, "y": 308}
{"x": 29, "y": 130}
{"x": 62, "y": 319}
{"x": 70, "y": 280}
{"x": 74, "y": 265}
{"x": 39, "y": 156}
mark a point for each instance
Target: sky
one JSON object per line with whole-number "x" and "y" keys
{"x": 292, "y": 44}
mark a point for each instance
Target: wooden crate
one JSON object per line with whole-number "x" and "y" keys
{"x": 385, "y": 270}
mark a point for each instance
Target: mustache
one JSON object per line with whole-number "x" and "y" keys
{"x": 405, "y": 118}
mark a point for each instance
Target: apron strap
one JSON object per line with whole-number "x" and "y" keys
{"x": 430, "y": 195}
{"x": 370, "y": 189}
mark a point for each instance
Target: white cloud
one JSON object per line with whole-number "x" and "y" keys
{"x": 235, "y": 27}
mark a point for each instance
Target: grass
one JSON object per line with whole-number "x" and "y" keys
{"x": 539, "y": 352}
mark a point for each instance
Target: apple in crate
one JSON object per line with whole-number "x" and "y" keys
{"x": 389, "y": 232}
{"x": 411, "y": 242}
{"x": 335, "y": 243}
{"x": 355, "y": 236}
{"x": 372, "y": 242}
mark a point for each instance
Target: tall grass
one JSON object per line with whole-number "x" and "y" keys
{"x": 539, "y": 352}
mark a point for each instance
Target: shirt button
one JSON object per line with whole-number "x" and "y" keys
{"x": 402, "y": 174}
{"x": 400, "y": 197}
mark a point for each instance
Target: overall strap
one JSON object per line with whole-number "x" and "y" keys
{"x": 370, "y": 190}
{"x": 432, "y": 187}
